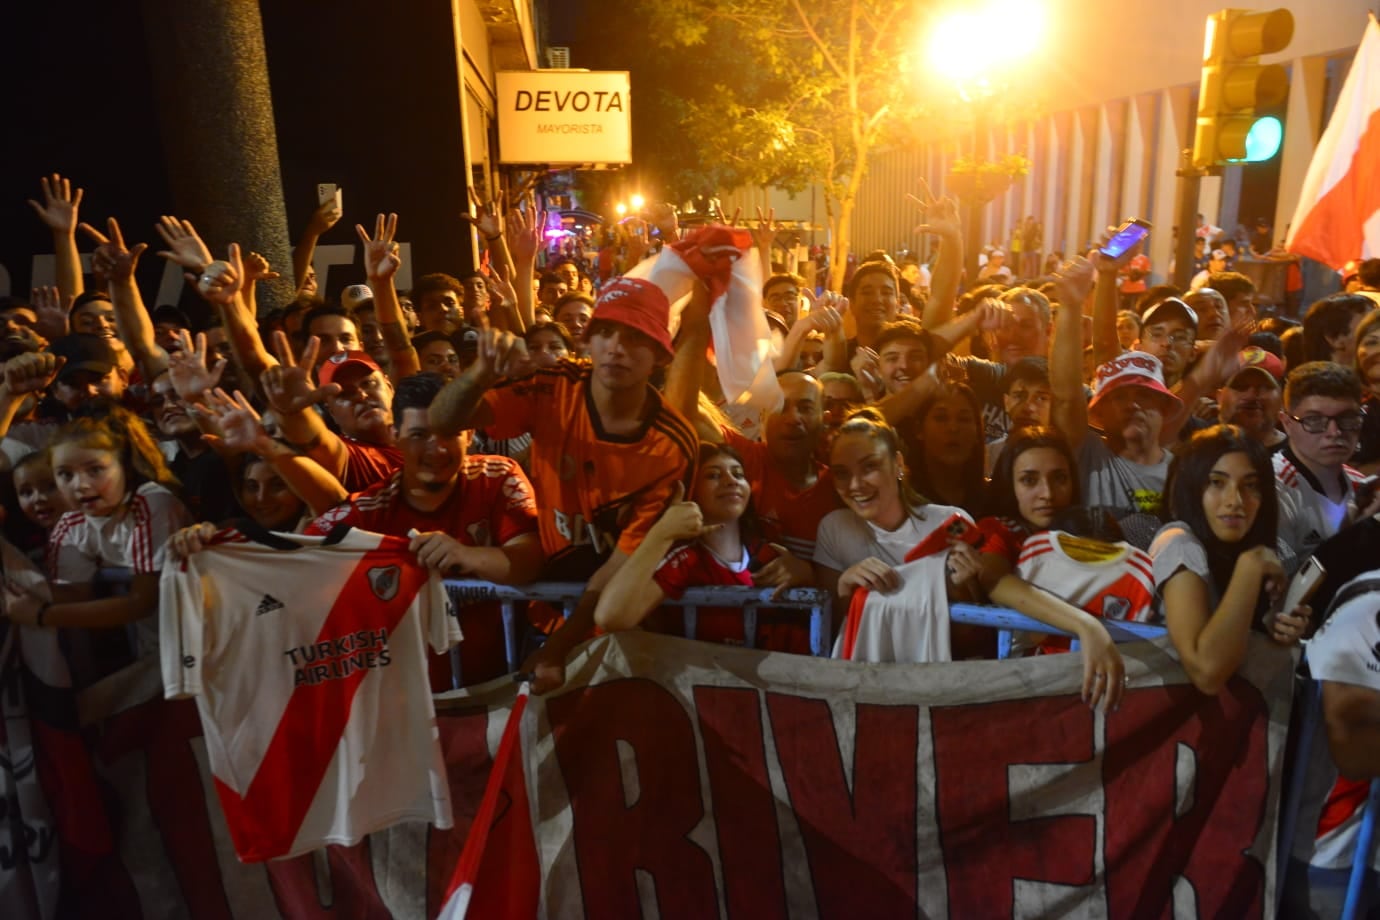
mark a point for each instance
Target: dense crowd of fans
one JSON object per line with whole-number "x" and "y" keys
{"x": 1076, "y": 445}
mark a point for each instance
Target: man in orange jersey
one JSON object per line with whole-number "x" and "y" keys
{"x": 606, "y": 449}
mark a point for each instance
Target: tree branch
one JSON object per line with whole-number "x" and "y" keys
{"x": 819, "y": 42}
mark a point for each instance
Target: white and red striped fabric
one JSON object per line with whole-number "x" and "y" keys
{"x": 722, "y": 258}
{"x": 1338, "y": 215}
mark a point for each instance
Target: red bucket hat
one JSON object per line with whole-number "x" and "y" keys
{"x": 637, "y": 304}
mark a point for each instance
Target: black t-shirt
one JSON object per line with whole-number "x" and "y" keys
{"x": 206, "y": 486}
{"x": 1345, "y": 555}
{"x": 1368, "y": 450}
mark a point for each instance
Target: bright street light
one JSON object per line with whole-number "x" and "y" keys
{"x": 971, "y": 43}
{"x": 621, "y": 208}
{"x": 637, "y": 202}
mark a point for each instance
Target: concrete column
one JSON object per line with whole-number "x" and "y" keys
{"x": 1303, "y": 128}
{"x": 210, "y": 74}
{"x": 1174, "y": 116}
{"x": 1103, "y": 197}
{"x": 1028, "y": 187}
{"x": 1140, "y": 128}
{"x": 1054, "y": 193}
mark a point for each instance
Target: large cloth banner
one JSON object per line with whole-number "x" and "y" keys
{"x": 679, "y": 779}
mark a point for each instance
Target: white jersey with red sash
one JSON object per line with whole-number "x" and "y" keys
{"x": 307, "y": 657}
{"x": 1114, "y": 581}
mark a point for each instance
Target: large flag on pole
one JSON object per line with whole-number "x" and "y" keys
{"x": 1338, "y": 217}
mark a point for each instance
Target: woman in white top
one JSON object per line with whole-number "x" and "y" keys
{"x": 861, "y": 545}
{"x": 1215, "y": 565}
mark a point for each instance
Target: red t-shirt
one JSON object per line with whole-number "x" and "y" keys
{"x": 789, "y": 516}
{"x": 368, "y": 464}
{"x": 492, "y": 504}
{"x": 692, "y": 565}
{"x": 1002, "y": 537}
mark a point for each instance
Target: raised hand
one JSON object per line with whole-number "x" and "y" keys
{"x": 939, "y": 216}
{"x": 288, "y": 385}
{"x": 50, "y": 311}
{"x": 636, "y": 242}
{"x": 60, "y": 204}
{"x": 867, "y": 370}
{"x": 241, "y": 428}
{"x": 682, "y": 520}
{"x": 764, "y": 234}
{"x": 381, "y": 253}
{"x": 188, "y": 371}
{"x": 220, "y": 282}
{"x": 723, "y": 218}
{"x": 1074, "y": 281}
{"x": 486, "y": 216}
{"x": 323, "y": 218}
{"x": 32, "y": 372}
{"x": 185, "y": 248}
{"x": 256, "y": 268}
{"x": 523, "y": 233}
{"x": 112, "y": 258}
{"x": 501, "y": 354}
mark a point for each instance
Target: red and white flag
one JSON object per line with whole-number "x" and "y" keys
{"x": 1338, "y": 217}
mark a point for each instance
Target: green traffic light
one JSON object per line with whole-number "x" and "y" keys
{"x": 1263, "y": 140}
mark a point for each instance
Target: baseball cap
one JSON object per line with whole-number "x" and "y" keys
{"x": 354, "y": 295}
{"x": 1165, "y": 309}
{"x": 84, "y": 352}
{"x": 173, "y": 316}
{"x": 343, "y": 360}
{"x": 637, "y": 304}
{"x": 1132, "y": 369}
{"x": 1219, "y": 253}
{"x": 1256, "y": 360}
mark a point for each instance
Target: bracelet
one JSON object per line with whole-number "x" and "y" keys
{"x": 42, "y": 611}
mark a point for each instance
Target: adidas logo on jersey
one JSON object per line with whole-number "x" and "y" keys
{"x": 268, "y": 604}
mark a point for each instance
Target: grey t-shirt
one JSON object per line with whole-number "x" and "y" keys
{"x": 1118, "y": 483}
{"x": 1176, "y": 547}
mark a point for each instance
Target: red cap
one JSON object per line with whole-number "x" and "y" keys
{"x": 1257, "y": 359}
{"x": 1132, "y": 369}
{"x": 637, "y": 304}
{"x": 343, "y": 360}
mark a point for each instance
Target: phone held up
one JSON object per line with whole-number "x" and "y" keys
{"x": 327, "y": 192}
{"x": 1131, "y": 232}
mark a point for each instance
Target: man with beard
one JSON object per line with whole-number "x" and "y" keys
{"x": 1126, "y": 467}
{"x": 358, "y": 396}
{"x": 1250, "y": 398}
{"x": 1317, "y": 490}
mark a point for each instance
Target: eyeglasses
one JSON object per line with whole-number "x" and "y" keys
{"x": 1317, "y": 424}
{"x": 1180, "y": 339}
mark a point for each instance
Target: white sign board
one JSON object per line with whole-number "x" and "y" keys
{"x": 564, "y": 116}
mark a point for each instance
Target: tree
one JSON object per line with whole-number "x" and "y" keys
{"x": 787, "y": 93}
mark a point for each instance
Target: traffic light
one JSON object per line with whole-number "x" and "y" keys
{"x": 1235, "y": 84}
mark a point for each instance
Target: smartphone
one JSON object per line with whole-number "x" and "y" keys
{"x": 1304, "y": 585}
{"x": 1127, "y": 235}
{"x": 1365, "y": 490}
{"x": 328, "y": 191}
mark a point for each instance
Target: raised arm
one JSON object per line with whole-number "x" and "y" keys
{"x": 242, "y": 431}
{"x": 1106, "y": 297}
{"x": 381, "y": 262}
{"x": 59, "y": 214}
{"x": 220, "y": 283}
{"x": 689, "y": 363}
{"x": 1070, "y": 411}
{"x": 523, "y": 237}
{"x": 632, "y": 592}
{"x": 322, "y": 219}
{"x": 942, "y": 220}
{"x": 117, "y": 263}
{"x": 287, "y": 385}
{"x": 460, "y": 404}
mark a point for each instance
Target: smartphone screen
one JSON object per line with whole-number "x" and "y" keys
{"x": 1127, "y": 235}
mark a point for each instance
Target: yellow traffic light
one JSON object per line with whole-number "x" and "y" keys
{"x": 1234, "y": 84}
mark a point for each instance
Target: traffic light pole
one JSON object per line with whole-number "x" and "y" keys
{"x": 1190, "y": 179}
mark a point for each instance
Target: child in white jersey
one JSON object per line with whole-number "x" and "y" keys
{"x": 109, "y": 469}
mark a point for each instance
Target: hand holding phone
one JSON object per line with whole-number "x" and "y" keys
{"x": 1131, "y": 232}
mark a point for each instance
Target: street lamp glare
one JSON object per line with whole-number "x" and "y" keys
{"x": 971, "y": 43}
{"x": 637, "y": 202}
{"x": 621, "y": 208}
{"x": 956, "y": 45}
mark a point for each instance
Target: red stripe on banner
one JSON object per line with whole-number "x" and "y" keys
{"x": 466, "y": 874}
{"x": 264, "y": 822}
{"x": 1344, "y": 799}
{"x": 1333, "y": 231}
